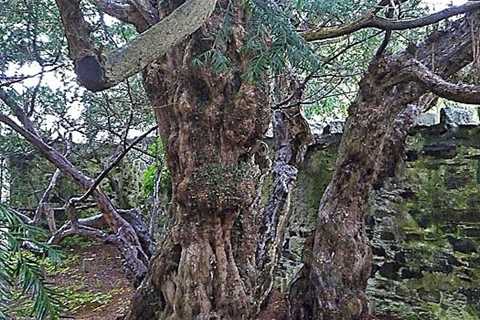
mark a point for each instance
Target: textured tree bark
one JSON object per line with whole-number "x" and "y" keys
{"x": 292, "y": 136}
{"x": 98, "y": 71}
{"x": 211, "y": 123}
{"x": 337, "y": 264}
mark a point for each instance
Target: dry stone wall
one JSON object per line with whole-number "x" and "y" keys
{"x": 424, "y": 225}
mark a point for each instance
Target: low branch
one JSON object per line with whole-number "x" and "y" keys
{"x": 80, "y": 230}
{"x": 51, "y": 154}
{"x": 370, "y": 20}
{"x": 114, "y": 163}
{"x": 463, "y": 93}
{"x": 96, "y": 71}
{"x": 120, "y": 9}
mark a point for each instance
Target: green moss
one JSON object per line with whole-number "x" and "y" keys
{"x": 227, "y": 187}
{"x": 314, "y": 178}
{"x": 446, "y": 202}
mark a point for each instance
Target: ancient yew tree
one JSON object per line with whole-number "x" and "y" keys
{"x": 212, "y": 109}
{"x": 338, "y": 264}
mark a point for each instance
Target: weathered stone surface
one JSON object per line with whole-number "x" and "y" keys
{"x": 459, "y": 116}
{"x": 424, "y": 226}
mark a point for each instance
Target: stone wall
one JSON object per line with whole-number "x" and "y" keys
{"x": 424, "y": 225}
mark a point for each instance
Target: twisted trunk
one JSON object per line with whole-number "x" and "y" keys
{"x": 211, "y": 124}
{"x": 332, "y": 283}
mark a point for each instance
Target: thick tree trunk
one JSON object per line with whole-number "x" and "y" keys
{"x": 331, "y": 285}
{"x": 211, "y": 123}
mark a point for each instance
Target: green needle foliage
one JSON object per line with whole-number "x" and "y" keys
{"x": 22, "y": 280}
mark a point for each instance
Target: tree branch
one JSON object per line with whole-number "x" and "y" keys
{"x": 114, "y": 163}
{"x": 96, "y": 71}
{"x": 463, "y": 93}
{"x": 9, "y": 100}
{"x": 120, "y": 9}
{"x": 370, "y": 20}
{"x": 51, "y": 154}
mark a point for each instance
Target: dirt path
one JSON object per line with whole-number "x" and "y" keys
{"x": 94, "y": 283}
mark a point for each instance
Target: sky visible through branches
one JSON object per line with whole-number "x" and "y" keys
{"x": 52, "y": 80}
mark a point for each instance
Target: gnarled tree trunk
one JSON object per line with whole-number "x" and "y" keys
{"x": 331, "y": 285}
{"x": 211, "y": 123}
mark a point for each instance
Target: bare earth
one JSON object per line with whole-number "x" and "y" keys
{"x": 98, "y": 271}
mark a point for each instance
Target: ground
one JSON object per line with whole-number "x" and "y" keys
{"x": 96, "y": 288}
{"x": 92, "y": 280}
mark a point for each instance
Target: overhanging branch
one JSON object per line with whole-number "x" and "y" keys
{"x": 463, "y": 93}
{"x": 97, "y": 71}
{"x": 370, "y": 20}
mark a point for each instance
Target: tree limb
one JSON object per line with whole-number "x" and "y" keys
{"x": 51, "y": 154}
{"x": 96, "y": 71}
{"x": 9, "y": 100}
{"x": 463, "y": 93}
{"x": 120, "y": 9}
{"x": 370, "y": 20}
{"x": 114, "y": 163}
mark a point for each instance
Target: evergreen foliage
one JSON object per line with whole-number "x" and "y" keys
{"x": 21, "y": 277}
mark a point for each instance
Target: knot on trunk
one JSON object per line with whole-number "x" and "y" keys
{"x": 90, "y": 73}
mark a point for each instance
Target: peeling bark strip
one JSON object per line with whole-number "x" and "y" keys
{"x": 97, "y": 71}
{"x": 43, "y": 206}
{"x": 331, "y": 285}
{"x": 211, "y": 127}
{"x": 292, "y": 136}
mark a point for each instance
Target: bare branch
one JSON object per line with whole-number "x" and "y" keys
{"x": 97, "y": 72}
{"x": 85, "y": 231}
{"x": 51, "y": 154}
{"x": 122, "y": 10}
{"x": 9, "y": 100}
{"x": 463, "y": 93}
{"x": 15, "y": 79}
{"x": 370, "y": 20}
{"x": 114, "y": 163}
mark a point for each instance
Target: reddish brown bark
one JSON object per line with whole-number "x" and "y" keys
{"x": 332, "y": 283}
{"x": 211, "y": 124}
